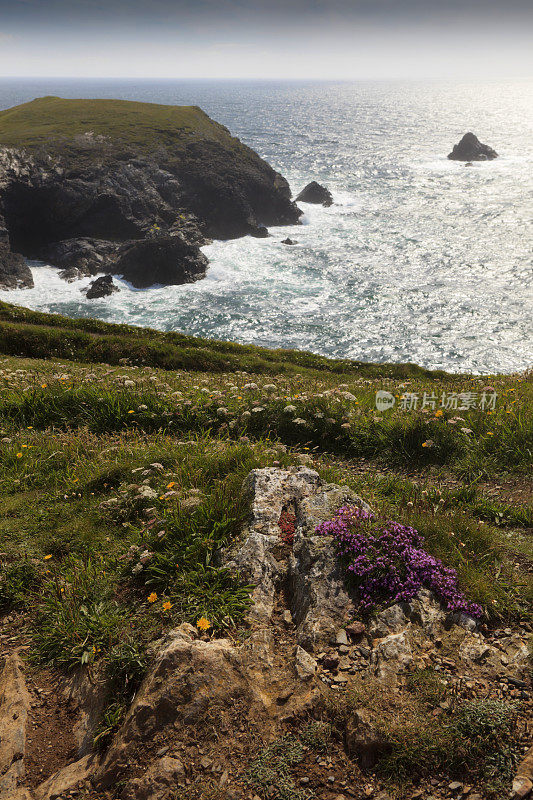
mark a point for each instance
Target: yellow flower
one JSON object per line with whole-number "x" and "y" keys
{"x": 439, "y": 413}
{"x": 171, "y": 484}
{"x": 131, "y": 412}
{"x": 490, "y": 433}
{"x": 152, "y": 597}
{"x": 48, "y": 557}
{"x": 203, "y": 624}
{"x": 19, "y": 455}
{"x": 43, "y": 385}
{"x": 167, "y": 605}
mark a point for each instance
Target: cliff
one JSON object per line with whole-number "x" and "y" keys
{"x": 127, "y": 188}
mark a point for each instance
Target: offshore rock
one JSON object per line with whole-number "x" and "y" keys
{"x": 101, "y": 287}
{"x": 471, "y": 149}
{"x": 315, "y": 193}
{"x": 111, "y": 186}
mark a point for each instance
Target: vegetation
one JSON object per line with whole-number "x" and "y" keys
{"x": 122, "y": 454}
{"x": 147, "y": 126}
{"x": 470, "y": 739}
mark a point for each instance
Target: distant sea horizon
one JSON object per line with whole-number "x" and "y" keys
{"x": 419, "y": 259}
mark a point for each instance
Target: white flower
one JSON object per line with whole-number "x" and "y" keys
{"x": 289, "y": 409}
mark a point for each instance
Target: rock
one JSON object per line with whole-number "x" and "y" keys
{"x": 163, "y": 260}
{"x": 523, "y": 781}
{"x": 101, "y": 287}
{"x": 355, "y": 630}
{"x": 330, "y": 661}
{"x": 14, "y": 709}
{"x": 305, "y": 664}
{"x": 471, "y": 149}
{"x": 193, "y": 682}
{"x": 316, "y": 194}
{"x": 132, "y": 174}
{"x": 14, "y": 271}
{"x": 161, "y": 776}
{"x": 341, "y": 637}
{"x": 87, "y": 692}
{"x": 363, "y": 739}
{"x": 67, "y": 779}
{"x": 288, "y": 240}
{"x": 392, "y": 654}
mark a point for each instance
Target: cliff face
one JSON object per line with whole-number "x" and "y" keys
{"x": 127, "y": 188}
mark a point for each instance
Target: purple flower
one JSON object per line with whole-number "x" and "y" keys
{"x": 386, "y": 562}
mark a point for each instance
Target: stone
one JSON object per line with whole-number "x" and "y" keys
{"x": 15, "y": 707}
{"x": 316, "y": 194}
{"x": 66, "y": 779}
{"x": 523, "y": 781}
{"x": 355, "y": 630}
{"x": 101, "y": 287}
{"x": 289, "y": 241}
{"x": 341, "y": 637}
{"x": 471, "y": 149}
{"x": 14, "y": 271}
{"x": 305, "y": 664}
{"x": 363, "y": 739}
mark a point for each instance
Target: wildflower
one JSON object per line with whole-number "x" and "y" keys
{"x": 428, "y": 443}
{"x": 152, "y": 597}
{"x": 203, "y": 624}
{"x": 167, "y": 605}
{"x": 490, "y": 433}
{"x": 466, "y": 430}
{"x": 48, "y": 557}
{"x": 171, "y": 484}
{"x": 439, "y": 412}
{"x": 19, "y": 455}
{"x": 43, "y": 385}
{"x": 131, "y": 411}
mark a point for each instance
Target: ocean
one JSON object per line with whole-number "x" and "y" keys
{"x": 419, "y": 259}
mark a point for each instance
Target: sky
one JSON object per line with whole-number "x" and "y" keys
{"x": 280, "y": 39}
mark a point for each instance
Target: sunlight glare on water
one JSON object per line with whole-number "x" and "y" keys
{"x": 420, "y": 259}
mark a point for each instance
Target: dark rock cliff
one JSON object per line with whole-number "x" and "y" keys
{"x": 126, "y": 188}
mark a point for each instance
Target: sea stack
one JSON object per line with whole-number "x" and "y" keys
{"x": 471, "y": 149}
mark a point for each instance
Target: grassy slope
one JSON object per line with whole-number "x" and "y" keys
{"x": 143, "y": 125}
{"x": 80, "y": 439}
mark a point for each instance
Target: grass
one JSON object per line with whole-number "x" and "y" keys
{"x": 147, "y": 126}
{"x": 38, "y": 335}
{"x": 122, "y": 455}
{"x": 472, "y": 739}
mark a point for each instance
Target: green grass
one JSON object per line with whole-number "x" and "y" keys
{"x": 147, "y": 126}
{"x": 38, "y": 335}
{"x": 122, "y": 456}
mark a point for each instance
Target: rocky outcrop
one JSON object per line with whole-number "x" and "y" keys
{"x": 471, "y": 149}
{"x": 101, "y": 287}
{"x": 206, "y": 704}
{"x": 315, "y": 193}
{"x": 136, "y": 187}
{"x": 14, "y": 710}
{"x": 14, "y": 271}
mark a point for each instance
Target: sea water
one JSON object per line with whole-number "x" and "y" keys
{"x": 419, "y": 259}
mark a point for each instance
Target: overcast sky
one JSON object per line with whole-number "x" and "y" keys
{"x": 350, "y": 39}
